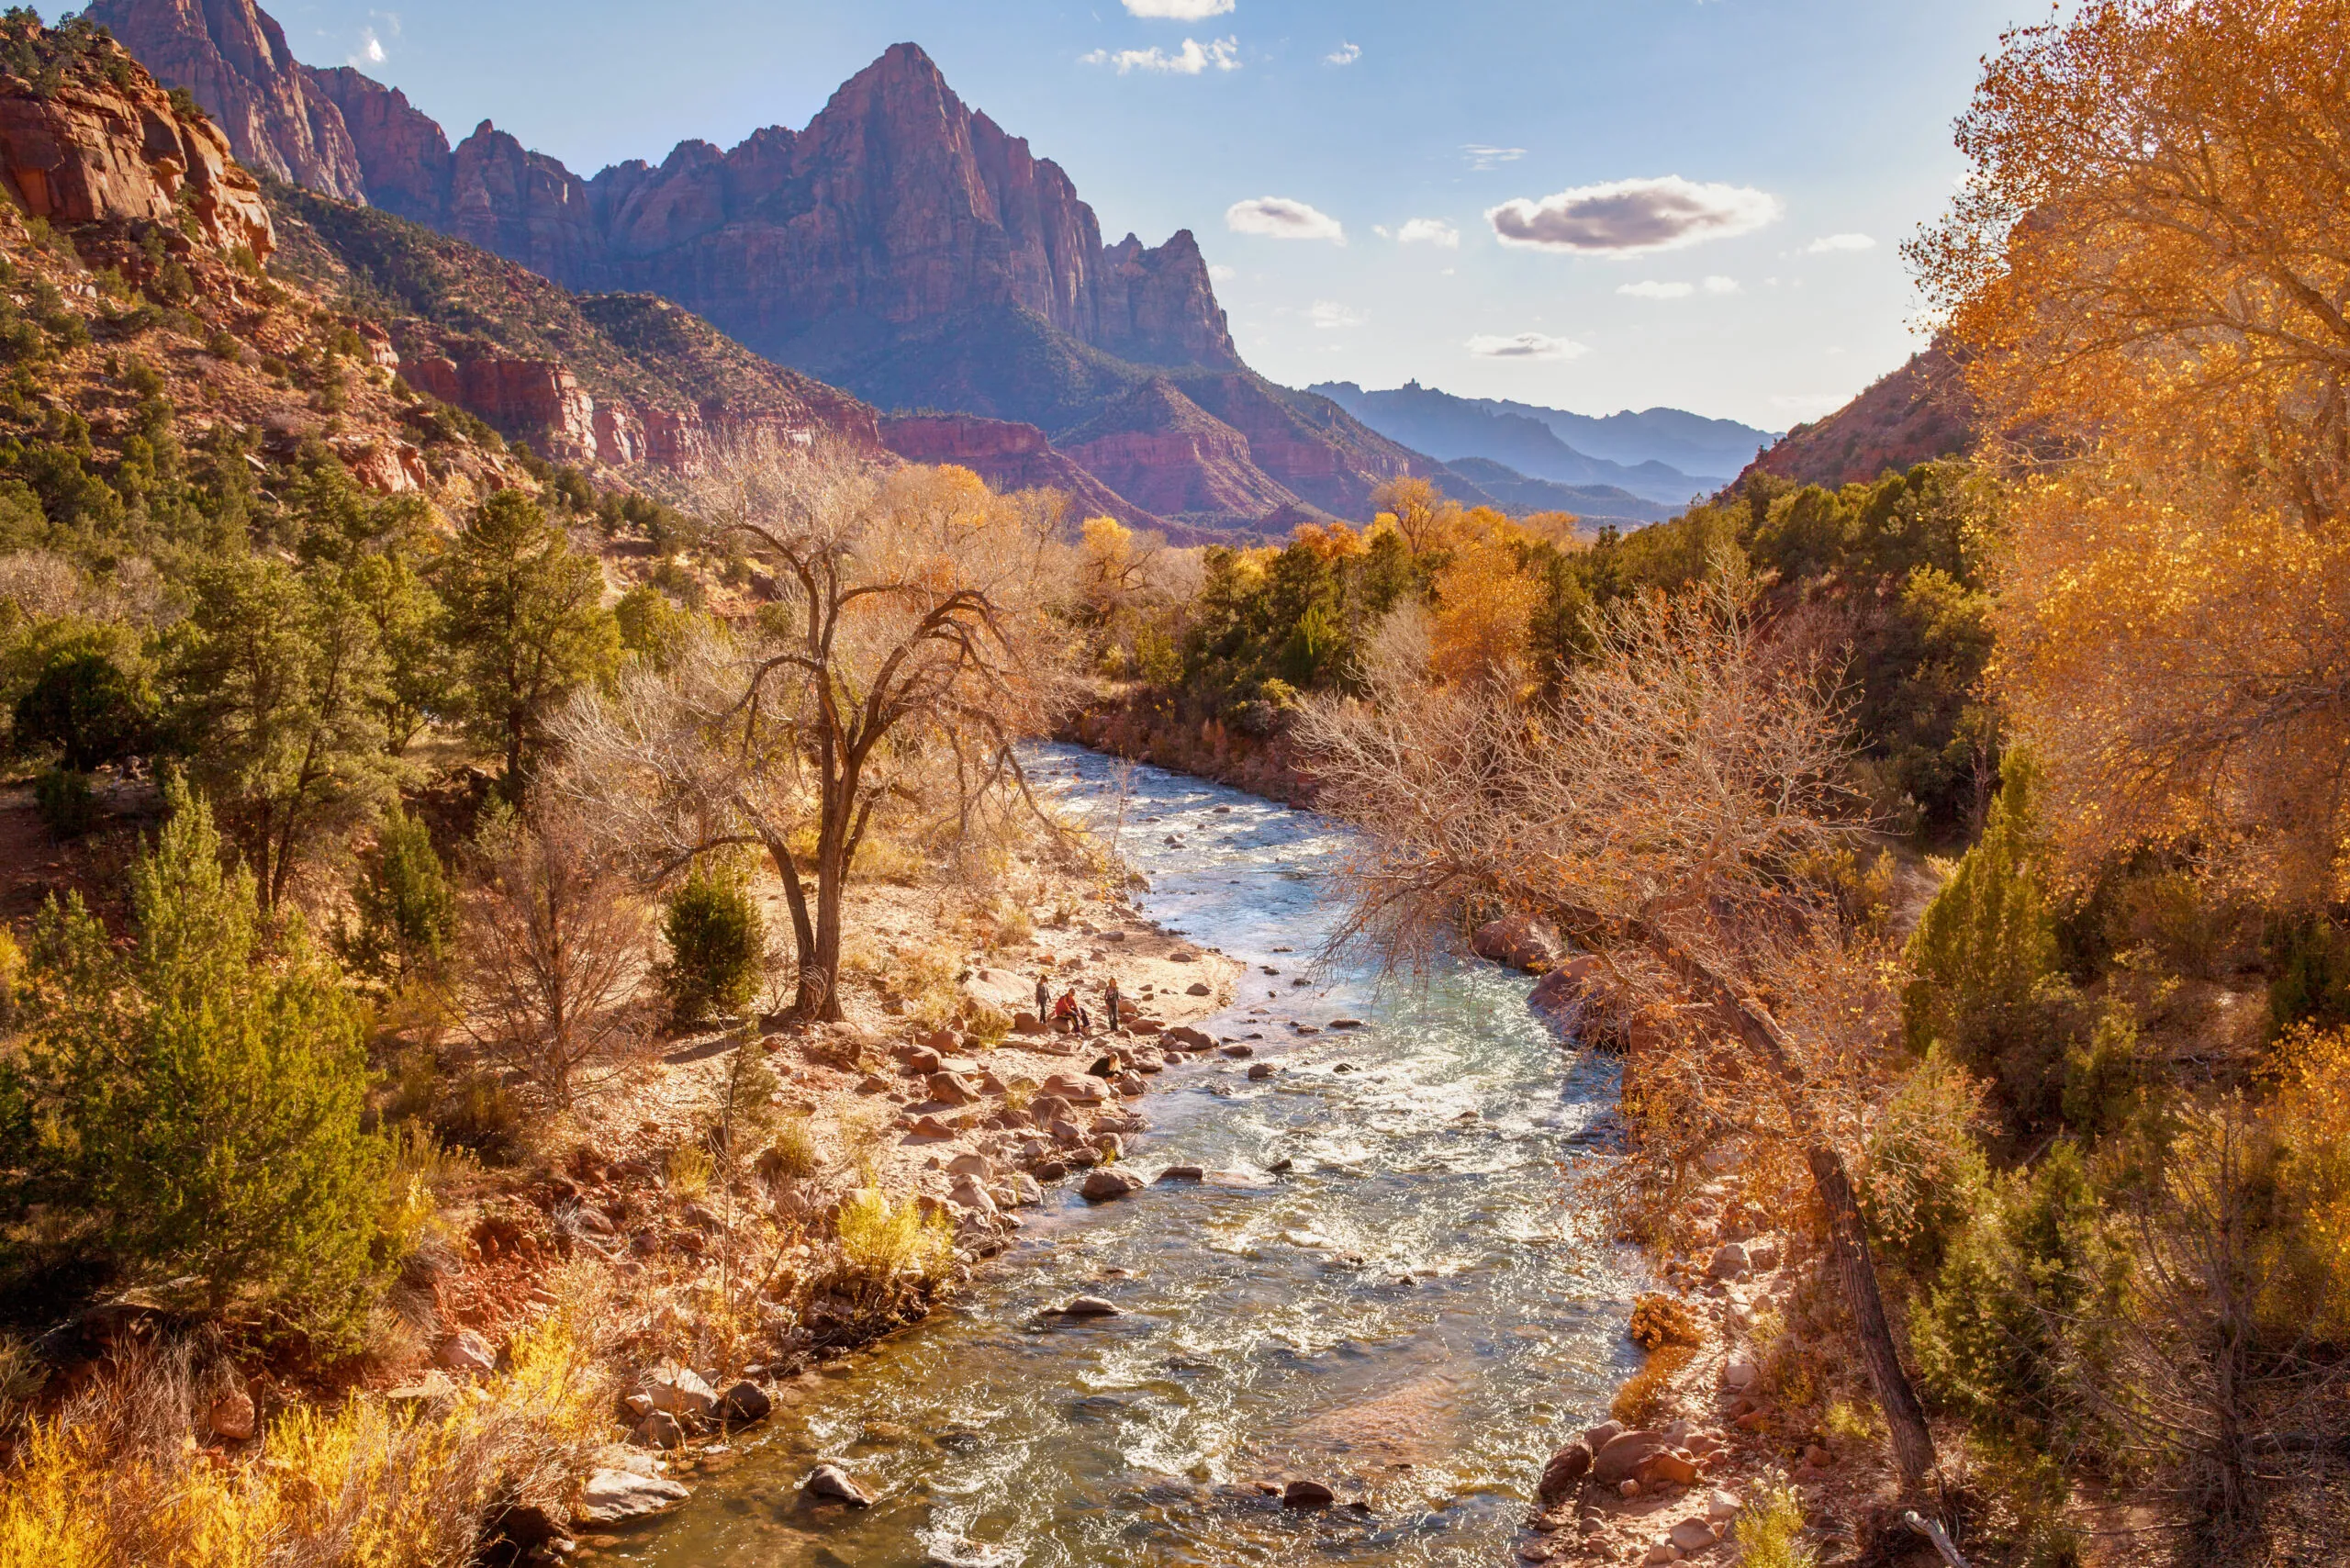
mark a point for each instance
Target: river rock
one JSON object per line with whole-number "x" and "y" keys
{"x": 1599, "y": 1437}
{"x": 1130, "y": 1084}
{"x": 1183, "y": 1173}
{"x": 1102, "y": 1186}
{"x": 1091, "y": 1306}
{"x": 1521, "y": 941}
{"x": 1046, "y": 1109}
{"x": 953, "y": 1089}
{"x": 1729, "y": 1261}
{"x": 616, "y": 1496}
{"x": 746, "y": 1401}
{"x": 1567, "y": 1467}
{"x": 1199, "y": 987}
{"x": 1260, "y": 1071}
{"x": 1623, "y": 1455}
{"x": 1078, "y": 1089}
{"x": 1239, "y": 1051}
{"x": 659, "y": 1430}
{"x": 230, "y": 1416}
{"x": 1024, "y": 1188}
{"x": 970, "y": 1195}
{"x": 1187, "y": 1037}
{"x": 465, "y": 1351}
{"x": 1308, "y": 1495}
{"x": 971, "y": 1163}
{"x": 831, "y": 1483}
{"x": 679, "y": 1389}
{"x": 1691, "y": 1535}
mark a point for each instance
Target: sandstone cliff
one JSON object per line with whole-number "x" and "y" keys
{"x": 902, "y": 246}
{"x": 233, "y": 58}
{"x": 104, "y": 147}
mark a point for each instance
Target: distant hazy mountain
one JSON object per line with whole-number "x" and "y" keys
{"x": 1662, "y": 454}
{"x": 1597, "y": 504}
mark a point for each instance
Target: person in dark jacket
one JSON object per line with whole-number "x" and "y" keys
{"x": 1110, "y": 1003}
{"x": 1044, "y": 1000}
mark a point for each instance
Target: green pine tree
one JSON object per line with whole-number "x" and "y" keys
{"x": 201, "y": 1092}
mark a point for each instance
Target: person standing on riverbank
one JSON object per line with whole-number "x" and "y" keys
{"x": 1044, "y": 1000}
{"x": 1110, "y": 1002}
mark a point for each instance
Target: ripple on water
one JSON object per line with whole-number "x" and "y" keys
{"x": 1412, "y": 1315}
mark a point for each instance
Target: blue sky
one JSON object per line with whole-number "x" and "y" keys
{"x": 1807, "y": 138}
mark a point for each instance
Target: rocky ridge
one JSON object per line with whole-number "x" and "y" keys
{"x": 1912, "y": 415}
{"x": 902, "y": 245}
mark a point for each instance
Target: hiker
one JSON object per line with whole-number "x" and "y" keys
{"x": 1044, "y": 1000}
{"x": 1110, "y": 1002}
{"x": 1064, "y": 1012}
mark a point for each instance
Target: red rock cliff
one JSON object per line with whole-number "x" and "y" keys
{"x": 233, "y": 58}
{"x": 91, "y": 152}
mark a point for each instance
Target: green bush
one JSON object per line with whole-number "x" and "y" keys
{"x": 63, "y": 800}
{"x": 2021, "y": 1286}
{"x": 2309, "y": 974}
{"x": 1926, "y": 1174}
{"x": 200, "y": 1094}
{"x": 1985, "y": 980}
{"x": 408, "y": 912}
{"x": 716, "y": 939}
{"x": 88, "y": 706}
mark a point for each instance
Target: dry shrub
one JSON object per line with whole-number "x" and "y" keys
{"x": 882, "y": 1238}
{"x": 794, "y": 1149}
{"x": 113, "y": 1478}
{"x": 1662, "y": 1320}
{"x": 1770, "y": 1531}
{"x": 1645, "y": 1393}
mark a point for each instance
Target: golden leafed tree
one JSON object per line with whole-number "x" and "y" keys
{"x": 2148, "y": 269}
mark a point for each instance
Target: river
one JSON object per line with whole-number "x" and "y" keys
{"x": 1412, "y": 1312}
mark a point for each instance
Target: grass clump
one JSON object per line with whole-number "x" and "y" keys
{"x": 1770, "y": 1531}
{"x": 882, "y": 1238}
{"x": 1643, "y": 1398}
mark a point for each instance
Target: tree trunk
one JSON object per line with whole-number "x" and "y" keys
{"x": 830, "y": 875}
{"x": 1847, "y": 1247}
{"x": 1905, "y": 1417}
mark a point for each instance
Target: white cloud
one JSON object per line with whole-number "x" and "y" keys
{"x": 1629, "y": 218}
{"x": 1429, "y": 231}
{"x": 1482, "y": 157}
{"x": 1280, "y": 217}
{"x": 1720, "y": 285}
{"x": 370, "y": 50}
{"x": 1219, "y": 272}
{"x": 1329, "y": 314}
{"x": 1191, "y": 59}
{"x": 1179, "y": 10}
{"x": 1649, "y": 288}
{"x": 1525, "y": 345}
{"x": 1345, "y": 54}
{"x": 1829, "y": 243}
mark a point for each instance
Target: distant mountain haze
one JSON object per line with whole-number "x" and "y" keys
{"x": 900, "y": 246}
{"x": 1662, "y": 454}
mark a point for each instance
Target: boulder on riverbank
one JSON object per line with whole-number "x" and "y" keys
{"x": 1518, "y": 940}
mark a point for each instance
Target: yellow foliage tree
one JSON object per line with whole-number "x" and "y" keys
{"x": 2146, "y": 271}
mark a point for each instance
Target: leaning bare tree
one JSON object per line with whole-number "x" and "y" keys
{"x": 910, "y": 650}
{"x": 1663, "y": 813}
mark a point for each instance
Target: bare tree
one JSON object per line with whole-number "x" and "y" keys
{"x": 1663, "y": 813}
{"x": 553, "y": 947}
{"x": 911, "y": 649}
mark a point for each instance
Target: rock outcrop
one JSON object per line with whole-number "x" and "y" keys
{"x": 93, "y": 150}
{"x": 1165, "y": 452}
{"x": 232, "y": 57}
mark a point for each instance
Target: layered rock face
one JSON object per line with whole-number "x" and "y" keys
{"x": 1161, "y": 450}
{"x": 1912, "y": 415}
{"x": 94, "y": 152}
{"x": 233, "y": 58}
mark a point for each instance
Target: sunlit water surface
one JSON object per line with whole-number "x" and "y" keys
{"x": 1412, "y": 1313}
